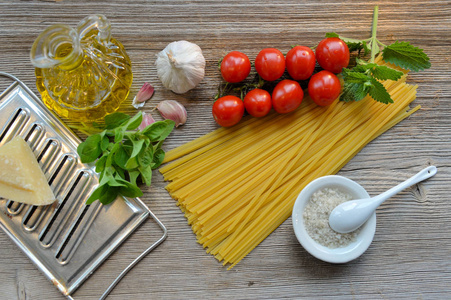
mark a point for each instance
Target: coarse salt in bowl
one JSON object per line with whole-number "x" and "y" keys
{"x": 333, "y": 255}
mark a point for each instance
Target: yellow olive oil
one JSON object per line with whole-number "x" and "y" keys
{"x": 84, "y": 74}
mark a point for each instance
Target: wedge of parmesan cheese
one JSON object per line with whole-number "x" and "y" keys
{"x": 21, "y": 177}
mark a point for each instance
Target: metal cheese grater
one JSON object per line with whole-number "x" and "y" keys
{"x": 68, "y": 240}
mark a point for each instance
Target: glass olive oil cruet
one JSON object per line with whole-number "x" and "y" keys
{"x": 83, "y": 73}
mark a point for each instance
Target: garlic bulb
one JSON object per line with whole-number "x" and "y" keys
{"x": 180, "y": 66}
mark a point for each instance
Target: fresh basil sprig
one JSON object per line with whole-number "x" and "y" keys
{"x": 363, "y": 79}
{"x": 124, "y": 155}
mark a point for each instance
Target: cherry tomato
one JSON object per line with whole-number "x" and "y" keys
{"x": 270, "y": 64}
{"x": 324, "y": 87}
{"x": 332, "y": 54}
{"x": 287, "y": 96}
{"x": 300, "y": 62}
{"x": 257, "y": 103}
{"x": 235, "y": 67}
{"x": 228, "y": 110}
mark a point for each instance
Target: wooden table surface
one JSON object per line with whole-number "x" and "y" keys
{"x": 410, "y": 257}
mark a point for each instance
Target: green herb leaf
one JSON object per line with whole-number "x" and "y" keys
{"x": 355, "y": 77}
{"x": 353, "y": 44}
{"x": 132, "y": 163}
{"x": 120, "y": 172}
{"x": 137, "y": 146}
{"x": 119, "y": 134}
{"x": 158, "y": 131}
{"x": 146, "y": 175}
{"x": 385, "y": 73}
{"x": 109, "y": 195}
{"x": 104, "y": 142}
{"x": 158, "y": 158}
{"x": 145, "y": 157}
{"x": 354, "y": 91}
{"x": 406, "y": 56}
{"x": 363, "y": 78}
{"x": 134, "y": 122}
{"x": 379, "y": 93}
{"x": 362, "y": 66}
{"x": 90, "y": 149}
{"x": 110, "y": 156}
{"x": 99, "y": 191}
{"x": 131, "y": 155}
{"x": 115, "y": 120}
{"x": 121, "y": 157}
{"x": 108, "y": 177}
{"x": 100, "y": 164}
{"x": 128, "y": 189}
{"x": 134, "y": 176}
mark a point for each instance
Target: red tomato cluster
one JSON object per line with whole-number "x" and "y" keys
{"x": 332, "y": 54}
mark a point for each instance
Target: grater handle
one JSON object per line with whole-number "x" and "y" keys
{"x": 139, "y": 258}
{"x": 12, "y": 77}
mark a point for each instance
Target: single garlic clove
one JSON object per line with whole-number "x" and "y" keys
{"x": 147, "y": 120}
{"x": 180, "y": 66}
{"x": 144, "y": 94}
{"x": 173, "y": 110}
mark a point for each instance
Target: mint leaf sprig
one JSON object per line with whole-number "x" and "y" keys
{"x": 363, "y": 79}
{"x": 124, "y": 155}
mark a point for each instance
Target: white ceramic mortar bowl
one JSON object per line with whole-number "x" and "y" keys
{"x": 336, "y": 255}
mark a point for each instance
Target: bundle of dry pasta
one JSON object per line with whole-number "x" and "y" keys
{"x": 236, "y": 185}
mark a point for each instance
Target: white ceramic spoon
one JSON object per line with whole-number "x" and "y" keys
{"x": 350, "y": 215}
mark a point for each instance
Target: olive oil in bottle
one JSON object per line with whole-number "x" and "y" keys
{"x": 82, "y": 74}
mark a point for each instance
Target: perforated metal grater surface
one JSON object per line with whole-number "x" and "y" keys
{"x": 68, "y": 240}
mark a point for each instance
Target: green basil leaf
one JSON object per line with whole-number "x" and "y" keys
{"x": 113, "y": 182}
{"x": 132, "y": 163}
{"x": 120, "y": 172}
{"x": 157, "y": 146}
{"x": 137, "y": 147}
{"x": 128, "y": 148}
{"x": 134, "y": 122}
{"x": 119, "y": 134}
{"x": 158, "y": 158}
{"x": 100, "y": 164}
{"x": 115, "y": 120}
{"x": 121, "y": 157}
{"x": 133, "y": 176}
{"x": 104, "y": 141}
{"x": 132, "y": 155}
{"x": 90, "y": 149}
{"x": 108, "y": 177}
{"x": 145, "y": 157}
{"x": 109, "y": 195}
{"x": 99, "y": 191}
{"x": 110, "y": 157}
{"x": 129, "y": 190}
{"x": 146, "y": 175}
{"x": 158, "y": 131}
